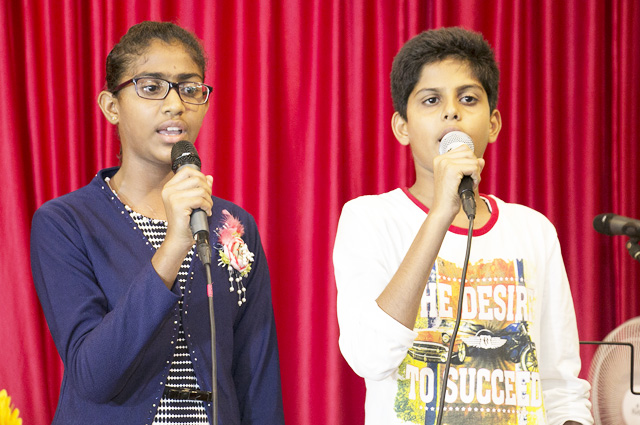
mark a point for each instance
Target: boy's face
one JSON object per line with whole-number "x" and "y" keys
{"x": 447, "y": 97}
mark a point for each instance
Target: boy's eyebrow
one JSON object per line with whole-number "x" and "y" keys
{"x": 470, "y": 86}
{"x": 458, "y": 89}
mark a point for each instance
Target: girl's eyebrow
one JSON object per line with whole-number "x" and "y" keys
{"x": 179, "y": 77}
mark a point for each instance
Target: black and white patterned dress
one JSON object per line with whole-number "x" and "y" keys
{"x": 181, "y": 373}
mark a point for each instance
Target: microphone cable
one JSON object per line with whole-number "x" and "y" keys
{"x": 214, "y": 362}
{"x": 452, "y": 340}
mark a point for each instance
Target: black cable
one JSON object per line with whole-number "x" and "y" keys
{"x": 632, "y": 358}
{"x": 452, "y": 340}
{"x": 214, "y": 363}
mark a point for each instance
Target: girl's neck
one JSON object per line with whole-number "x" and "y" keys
{"x": 141, "y": 189}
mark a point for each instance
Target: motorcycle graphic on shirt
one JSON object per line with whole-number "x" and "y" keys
{"x": 513, "y": 343}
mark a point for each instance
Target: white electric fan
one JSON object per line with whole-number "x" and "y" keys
{"x": 614, "y": 394}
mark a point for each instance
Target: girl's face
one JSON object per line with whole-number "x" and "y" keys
{"x": 148, "y": 128}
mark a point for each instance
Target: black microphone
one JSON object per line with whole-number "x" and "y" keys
{"x": 184, "y": 154}
{"x": 613, "y": 224}
{"x": 451, "y": 141}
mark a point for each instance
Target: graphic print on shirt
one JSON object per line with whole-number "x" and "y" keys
{"x": 494, "y": 371}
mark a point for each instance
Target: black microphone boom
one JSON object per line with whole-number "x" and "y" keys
{"x": 633, "y": 246}
{"x": 184, "y": 154}
{"x": 613, "y": 224}
{"x": 450, "y": 141}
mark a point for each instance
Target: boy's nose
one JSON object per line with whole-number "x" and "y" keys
{"x": 450, "y": 111}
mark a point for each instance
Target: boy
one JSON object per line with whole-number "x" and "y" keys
{"x": 398, "y": 259}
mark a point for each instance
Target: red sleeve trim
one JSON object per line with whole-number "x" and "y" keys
{"x": 459, "y": 230}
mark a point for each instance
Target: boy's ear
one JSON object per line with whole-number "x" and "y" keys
{"x": 399, "y": 127}
{"x": 495, "y": 124}
{"x": 109, "y": 106}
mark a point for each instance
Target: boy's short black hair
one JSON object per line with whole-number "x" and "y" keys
{"x": 437, "y": 45}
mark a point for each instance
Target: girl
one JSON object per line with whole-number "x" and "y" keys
{"x": 114, "y": 265}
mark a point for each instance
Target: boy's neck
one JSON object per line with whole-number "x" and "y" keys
{"x": 483, "y": 215}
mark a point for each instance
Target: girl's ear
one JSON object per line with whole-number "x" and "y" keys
{"x": 108, "y": 104}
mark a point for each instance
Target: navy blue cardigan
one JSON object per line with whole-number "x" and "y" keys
{"x": 115, "y": 323}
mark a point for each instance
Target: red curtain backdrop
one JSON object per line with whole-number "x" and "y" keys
{"x": 298, "y": 125}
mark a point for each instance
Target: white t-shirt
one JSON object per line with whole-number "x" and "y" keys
{"x": 516, "y": 355}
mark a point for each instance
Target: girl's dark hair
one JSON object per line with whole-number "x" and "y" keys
{"x": 136, "y": 41}
{"x": 435, "y": 46}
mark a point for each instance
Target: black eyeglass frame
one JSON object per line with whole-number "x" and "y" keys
{"x": 172, "y": 85}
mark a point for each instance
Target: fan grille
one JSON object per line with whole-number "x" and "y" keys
{"x": 609, "y": 374}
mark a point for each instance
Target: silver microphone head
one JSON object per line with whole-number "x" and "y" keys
{"x": 454, "y": 139}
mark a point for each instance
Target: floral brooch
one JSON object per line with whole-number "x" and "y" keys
{"x": 234, "y": 254}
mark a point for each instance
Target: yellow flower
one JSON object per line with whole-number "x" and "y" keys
{"x": 8, "y": 415}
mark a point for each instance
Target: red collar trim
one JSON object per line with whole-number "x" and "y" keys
{"x": 459, "y": 230}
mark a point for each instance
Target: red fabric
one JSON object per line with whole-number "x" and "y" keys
{"x": 300, "y": 123}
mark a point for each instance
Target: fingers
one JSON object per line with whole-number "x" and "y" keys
{"x": 461, "y": 162}
{"x": 189, "y": 189}
{"x": 449, "y": 169}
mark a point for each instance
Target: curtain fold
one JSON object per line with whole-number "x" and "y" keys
{"x": 300, "y": 123}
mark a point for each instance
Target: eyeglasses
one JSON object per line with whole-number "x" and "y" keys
{"x": 157, "y": 89}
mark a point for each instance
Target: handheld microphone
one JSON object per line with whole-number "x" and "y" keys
{"x": 184, "y": 154}
{"x": 451, "y": 141}
{"x": 613, "y": 224}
